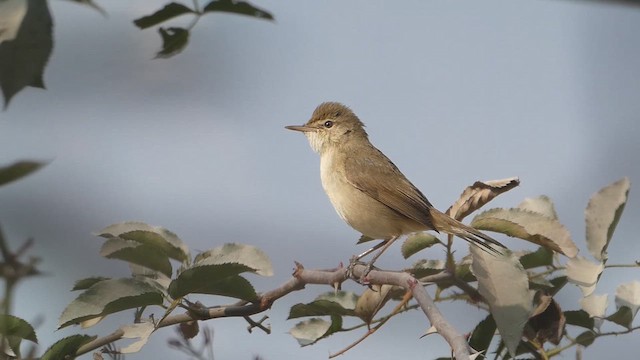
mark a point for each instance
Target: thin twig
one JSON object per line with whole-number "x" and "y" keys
{"x": 370, "y": 332}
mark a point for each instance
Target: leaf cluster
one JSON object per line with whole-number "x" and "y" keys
{"x": 175, "y": 39}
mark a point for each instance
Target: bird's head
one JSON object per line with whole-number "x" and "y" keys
{"x": 331, "y": 124}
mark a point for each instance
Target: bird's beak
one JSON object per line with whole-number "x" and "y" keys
{"x": 302, "y": 128}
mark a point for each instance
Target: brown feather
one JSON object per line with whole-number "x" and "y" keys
{"x": 401, "y": 195}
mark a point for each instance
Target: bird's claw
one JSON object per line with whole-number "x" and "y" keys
{"x": 364, "y": 279}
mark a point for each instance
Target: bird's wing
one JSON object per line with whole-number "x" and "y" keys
{"x": 399, "y": 195}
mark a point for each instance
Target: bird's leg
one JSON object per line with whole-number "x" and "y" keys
{"x": 367, "y": 252}
{"x": 385, "y": 245}
{"x": 356, "y": 259}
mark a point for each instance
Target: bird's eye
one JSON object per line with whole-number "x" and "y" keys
{"x": 328, "y": 124}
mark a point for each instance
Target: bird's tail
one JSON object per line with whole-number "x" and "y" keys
{"x": 445, "y": 223}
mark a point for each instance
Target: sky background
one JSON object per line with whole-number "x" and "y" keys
{"x": 452, "y": 92}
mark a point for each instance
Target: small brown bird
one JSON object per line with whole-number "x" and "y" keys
{"x": 367, "y": 190}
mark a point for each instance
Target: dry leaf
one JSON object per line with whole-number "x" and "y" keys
{"x": 478, "y": 194}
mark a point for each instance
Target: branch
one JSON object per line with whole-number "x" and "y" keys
{"x": 300, "y": 278}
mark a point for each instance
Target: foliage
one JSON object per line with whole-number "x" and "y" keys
{"x": 175, "y": 39}
{"x": 517, "y": 289}
{"x": 26, "y": 36}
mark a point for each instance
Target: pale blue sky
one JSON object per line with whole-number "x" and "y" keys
{"x": 452, "y": 92}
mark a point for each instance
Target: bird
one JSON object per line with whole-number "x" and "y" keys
{"x": 367, "y": 190}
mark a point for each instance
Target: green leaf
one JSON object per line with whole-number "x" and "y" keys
{"x": 86, "y": 283}
{"x": 528, "y": 225}
{"x": 483, "y": 334}
{"x": 237, "y": 7}
{"x": 602, "y": 214}
{"x": 586, "y": 338}
{"x": 364, "y": 239}
{"x": 67, "y": 347}
{"x": 107, "y": 297}
{"x": 505, "y": 285}
{"x": 174, "y": 41}
{"x": 153, "y": 236}
{"x": 622, "y": 317}
{"x": 12, "y": 326}
{"x": 149, "y": 256}
{"x": 417, "y": 242}
{"x": 341, "y": 303}
{"x": 558, "y": 283}
{"x": 92, "y": 5}
{"x": 17, "y": 170}
{"x": 463, "y": 271}
{"x": 579, "y": 318}
{"x": 170, "y": 11}
{"x": 202, "y": 279}
{"x": 540, "y": 257}
{"x": 234, "y": 286}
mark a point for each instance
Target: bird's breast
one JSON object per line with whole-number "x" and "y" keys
{"x": 362, "y": 212}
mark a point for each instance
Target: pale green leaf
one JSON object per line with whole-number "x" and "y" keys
{"x": 107, "y": 297}
{"x": 340, "y": 303}
{"x": 247, "y": 255}
{"x": 86, "y": 283}
{"x": 629, "y": 295}
{"x": 528, "y": 225}
{"x": 141, "y": 332}
{"x": 345, "y": 299}
{"x": 541, "y": 205}
{"x": 309, "y": 331}
{"x": 595, "y": 305}
{"x": 584, "y": 273}
{"x": 426, "y": 267}
{"x": 417, "y": 242}
{"x": 154, "y": 236}
{"x": 602, "y": 214}
{"x": 504, "y": 283}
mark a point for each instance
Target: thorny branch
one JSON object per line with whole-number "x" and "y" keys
{"x": 302, "y": 277}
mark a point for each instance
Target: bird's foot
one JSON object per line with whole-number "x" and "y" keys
{"x": 355, "y": 260}
{"x": 363, "y": 279}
